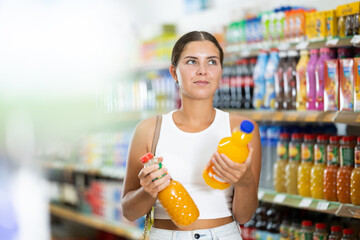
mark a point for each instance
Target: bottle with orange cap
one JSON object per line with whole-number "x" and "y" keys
{"x": 174, "y": 198}
{"x": 307, "y": 161}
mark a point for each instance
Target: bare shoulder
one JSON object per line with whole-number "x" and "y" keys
{"x": 236, "y": 119}
{"x": 144, "y": 132}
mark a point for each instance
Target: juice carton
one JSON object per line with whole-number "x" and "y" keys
{"x": 357, "y": 84}
{"x": 310, "y": 22}
{"x": 331, "y": 24}
{"x": 299, "y": 17}
{"x": 331, "y": 90}
{"x": 320, "y": 25}
{"x": 347, "y": 9}
{"x": 346, "y": 77}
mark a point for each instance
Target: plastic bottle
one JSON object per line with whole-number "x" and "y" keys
{"x": 355, "y": 177}
{"x": 317, "y": 171}
{"x": 272, "y": 65}
{"x": 273, "y": 223}
{"x": 344, "y": 53}
{"x": 234, "y": 81}
{"x": 279, "y": 81}
{"x": 335, "y": 233}
{"x": 284, "y": 228}
{"x": 259, "y": 79}
{"x": 235, "y": 148}
{"x": 291, "y": 169}
{"x": 261, "y": 222}
{"x": 310, "y": 80}
{"x": 175, "y": 199}
{"x": 264, "y": 157}
{"x": 348, "y": 234}
{"x": 330, "y": 172}
{"x": 272, "y": 135}
{"x": 294, "y": 230}
{"x": 248, "y": 230}
{"x": 320, "y": 232}
{"x": 344, "y": 172}
{"x": 248, "y": 84}
{"x": 307, "y": 161}
{"x": 290, "y": 80}
{"x": 307, "y": 230}
{"x": 301, "y": 80}
{"x": 325, "y": 54}
{"x": 281, "y": 162}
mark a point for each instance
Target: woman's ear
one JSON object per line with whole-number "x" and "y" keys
{"x": 172, "y": 70}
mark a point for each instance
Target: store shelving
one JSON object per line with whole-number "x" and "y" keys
{"x": 295, "y": 201}
{"x": 119, "y": 229}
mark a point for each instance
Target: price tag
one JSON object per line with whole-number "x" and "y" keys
{"x": 306, "y": 202}
{"x": 302, "y": 45}
{"x": 355, "y": 39}
{"x": 322, "y": 206}
{"x": 279, "y": 198}
{"x": 261, "y": 194}
{"x": 332, "y": 42}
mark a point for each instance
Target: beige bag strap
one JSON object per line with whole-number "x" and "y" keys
{"x": 156, "y": 134}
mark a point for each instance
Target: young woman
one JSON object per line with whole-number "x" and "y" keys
{"x": 187, "y": 143}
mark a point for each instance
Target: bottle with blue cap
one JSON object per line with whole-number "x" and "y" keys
{"x": 234, "y": 147}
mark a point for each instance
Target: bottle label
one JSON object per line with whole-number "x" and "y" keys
{"x": 294, "y": 151}
{"x": 306, "y": 236}
{"x": 160, "y": 166}
{"x": 333, "y": 155}
{"x": 346, "y": 156}
{"x": 320, "y": 153}
{"x": 284, "y": 232}
{"x": 357, "y": 156}
{"x": 307, "y": 152}
{"x": 319, "y": 237}
{"x": 282, "y": 150}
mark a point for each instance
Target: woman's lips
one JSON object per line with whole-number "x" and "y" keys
{"x": 201, "y": 83}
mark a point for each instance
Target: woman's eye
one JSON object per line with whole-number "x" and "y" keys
{"x": 212, "y": 62}
{"x": 190, "y": 62}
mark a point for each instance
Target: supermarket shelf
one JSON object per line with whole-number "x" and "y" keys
{"x": 295, "y": 201}
{"x": 119, "y": 229}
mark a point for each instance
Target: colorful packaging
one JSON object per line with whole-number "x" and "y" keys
{"x": 270, "y": 71}
{"x": 301, "y": 80}
{"x": 331, "y": 24}
{"x": 310, "y": 25}
{"x": 259, "y": 80}
{"x": 356, "y": 84}
{"x": 310, "y": 80}
{"x": 331, "y": 91}
{"x": 320, "y": 25}
{"x": 346, "y": 75}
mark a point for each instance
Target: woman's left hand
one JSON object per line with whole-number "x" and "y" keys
{"x": 234, "y": 173}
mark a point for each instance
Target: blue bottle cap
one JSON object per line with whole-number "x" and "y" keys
{"x": 247, "y": 126}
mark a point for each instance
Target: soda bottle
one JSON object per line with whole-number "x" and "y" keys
{"x": 239, "y": 83}
{"x": 320, "y": 232}
{"x": 335, "y": 233}
{"x": 344, "y": 172}
{"x": 344, "y": 53}
{"x": 261, "y": 222}
{"x": 307, "y": 161}
{"x": 259, "y": 79}
{"x": 284, "y": 228}
{"x": 325, "y": 54}
{"x": 294, "y": 230}
{"x": 310, "y": 80}
{"x": 330, "y": 172}
{"x": 307, "y": 230}
{"x": 290, "y": 80}
{"x": 272, "y": 65}
{"x": 355, "y": 177}
{"x": 224, "y": 88}
{"x": 279, "y": 81}
{"x": 317, "y": 171}
{"x": 291, "y": 169}
{"x": 273, "y": 225}
{"x": 301, "y": 80}
{"x": 348, "y": 234}
{"x": 174, "y": 198}
{"x": 235, "y": 148}
{"x": 233, "y": 84}
{"x": 281, "y": 162}
{"x": 248, "y": 86}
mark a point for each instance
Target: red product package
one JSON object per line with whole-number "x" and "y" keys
{"x": 346, "y": 78}
{"x": 331, "y": 88}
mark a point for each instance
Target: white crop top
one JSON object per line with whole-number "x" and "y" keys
{"x": 185, "y": 155}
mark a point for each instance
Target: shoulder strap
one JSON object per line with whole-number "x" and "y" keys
{"x": 156, "y": 134}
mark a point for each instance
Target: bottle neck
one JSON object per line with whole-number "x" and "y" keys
{"x": 241, "y": 138}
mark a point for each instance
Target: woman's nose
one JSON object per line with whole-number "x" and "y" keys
{"x": 201, "y": 69}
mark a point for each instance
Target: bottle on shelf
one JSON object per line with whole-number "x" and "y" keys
{"x": 279, "y": 81}
{"x": 307, "y": 230}
{"x": 238, "y": 88}
{"x": 264, "y": 157}
{"x": 224, "y": 87}
{"x": 310, "y": 80}
{"x": 234, "y": 147}
{"x": 175, "y": 199}
{"x": 261, "y": 222}
{"x": 320, "y": 232}
{"x": 273, "y": 225}
{"x": 294, "y": 230}
{"x": 272, "y": 134}
{"x": 281, "y": 162}
{"x": 317, "y": 171}
{"x": 307, "y": 161}
{"x": 290, "y": 80}
{"x": 234, "y": 84}
{"x": 355, "y": 177}
{"x": 248, "y": 87}
{"x": 343, "y": 177}
{"x": 248, "y": 230}
{"x": 330, "y": 172}
{"x": 335, "y": 233}
{"x": 291, "y": 169}
{"x": 348, "y": 234}
{"x": 271, "y": 66}
{"x": 259, "y": 79}
{"x": 284, "y": 227}
{"x": 301, "y": 80}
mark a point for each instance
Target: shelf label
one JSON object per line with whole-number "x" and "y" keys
{"x": 322, "y": 206}
{"x": 302, "y": 45}
{"x": 261, "y": 194}
{"x": 292, "y": 117}
{"x": 306, "y": 202}
{"x": 311, "y": 117}
{"x": 278, "y": 116}
{"x": 332, "y": 42}
{"x": 355, "y": 39}
{"x": 357, "y": 118}
{"x": 279, "y": 198}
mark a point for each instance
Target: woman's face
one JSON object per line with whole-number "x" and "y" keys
{"x": 199, "y": 70}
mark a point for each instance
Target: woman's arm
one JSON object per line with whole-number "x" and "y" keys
{"x": 139, "y": 191}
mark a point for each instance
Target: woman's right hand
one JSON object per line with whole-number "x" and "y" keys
{"x": 148, "y": 174}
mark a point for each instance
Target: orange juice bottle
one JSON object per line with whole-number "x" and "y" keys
{"x": 355, "y": 177}
{"x": 317, "y": 171}
{"x": 281, "y": 162}
{"x": 330, "y": 172}
{"x": 235, "y": 148}
{"x": 175, "y": 199}
{"x": 344, "y": 172}
{"x": 307, "y": 161}
{"x": 291, "y": 169}
{"x": 301, "y": 80}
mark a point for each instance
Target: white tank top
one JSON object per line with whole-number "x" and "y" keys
{"x": 185, "y": 155}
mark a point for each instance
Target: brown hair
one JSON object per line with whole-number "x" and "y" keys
{"x": 191, "y": 37}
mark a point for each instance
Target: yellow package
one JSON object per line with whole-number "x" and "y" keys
{"x": 348, "y": 9}
{"x": 320, "y": 25}
{"x": 331, "y": 24}
{"x": 310, "y": 21}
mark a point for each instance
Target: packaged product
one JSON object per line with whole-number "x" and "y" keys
{"x": 347, "y": 15}
{"x": 346, "y": 76}
{"x": 356, "y": 84}
{"x": 331, "y": 91}
{"x": 331, "y": 24}
{"x": 320, "y": 25}
{"x": 310, "y": 25}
